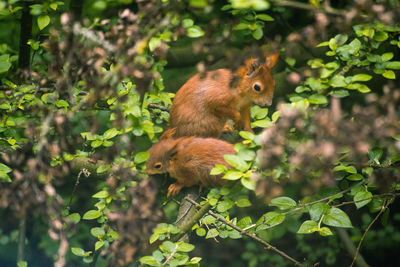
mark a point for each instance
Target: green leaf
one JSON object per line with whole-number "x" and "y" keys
{"x": 248, "y": 183}
{"x": 265, "y": 17}
{"x": 258, "y": 113}
{"x": 244, "y": 202}
{"x": 338, "y": 81}
{"x": 208, "y": 219}
{"x": 317, "y": 99}
{"x": 97, "y": 231}
{"x": 339, "y": 93}
{"x": 308, "y": 227}
{"x": 355, "y": 177}
{"x": 91, "y": 214}
{"x": 78, "y": 251}
{"x": 4, "y": 66}
{"x": 349, "y": 169}
{"x": 232, "y": 175}
{"x": 325, "y": 231}
{"x": 22, "y": 264}
{"x": 218, "y": 169}
{"x": 195, "y": 260}
{"x": 224, "y": 205}
{"x": 316, "y": 210}
{"x": 43, "y": 21}
{"x": 74, "y": 217}
{"x": 103, "y": 168}
{"x": 355, "y": 46}
{"x": 101, "y": 194}
{"x": 200, "y": 231}
{"x": 149, "y": 260}
{"x": 96, "y": 143}
{"x": 212, "y": 233}
{"x": 110, "y": 133}
{"x": 262, "y": 123}
{"x": 194, "y": 32}
{"x": 323, "y": 44}
{"x": 380, "y": 36}
{"x": 283, "y": 203}
{"x": 62, "y": 103}
{"x": 168, "y": 246}
{"x": 198, "y": 3}
{"x": 394, "y": 65}
{"x": 389, "y": 74}
{"x": 234, "y": 234}
{"x": 98, "y": 245}
{"x": 141, "y": 157}
{"x": 236, "y": 161}
{"x": 185, "y": 247}
{"x": 338, "y": 218}
{"x": 154, "y": 237}
{"x": 387, "y": 56}
{"x": 275, "y": 116}
{"x": 341, "y": 39}
{"x": 4, "y": 168}
{"x": 257, "y": 33}
{"x": 376, "y": 204}
{"x": 361, "y": 78}
{"x": 360, "y": 196}
{"x": 270, "y": 219}
{"x": 247, "y": 135}
{"x": 244, "y": 222}
{"x": 53, "y": 6}
{"x": 187, "y": 23}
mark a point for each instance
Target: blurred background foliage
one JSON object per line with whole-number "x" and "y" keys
{"x": 85, "y": 90}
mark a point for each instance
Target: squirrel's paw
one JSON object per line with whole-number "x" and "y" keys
{"x": 174, "y": 189}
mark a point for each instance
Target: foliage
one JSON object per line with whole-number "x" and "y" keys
{"x": 80, "y": 109}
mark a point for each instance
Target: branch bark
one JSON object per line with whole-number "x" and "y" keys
{"x": 188, "y": 215}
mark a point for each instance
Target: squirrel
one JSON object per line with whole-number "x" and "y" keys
{"x": 189, "y": 160}
{"x": 203, "y": 105}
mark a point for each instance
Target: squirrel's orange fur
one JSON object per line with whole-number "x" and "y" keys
{"x": 188, "y": 160}
{"x": 206, "y": 101}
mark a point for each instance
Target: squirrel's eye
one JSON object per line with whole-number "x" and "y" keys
{"x": 157, "y": 165}
{"x": 257, "y": 87}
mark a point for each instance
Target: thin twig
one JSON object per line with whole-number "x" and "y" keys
{"x": 252, "y": 236}
{"x": 384, "y": 207}
{"x": 155, "y": 106}
{"x": 351, "y": 248}
{"x": 361, "y": 200}
{"x": 83, "y": 171}
{"x": 170, "y": 256}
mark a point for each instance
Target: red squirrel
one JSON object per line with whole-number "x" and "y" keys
{"x": 203, "y": 105}
{"x": 188, "y": 160}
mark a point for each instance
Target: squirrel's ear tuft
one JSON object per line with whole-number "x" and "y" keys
{"x": 252, "y": 65}
{"x": 271, "y": 59}
{"x": 170, "y": 133}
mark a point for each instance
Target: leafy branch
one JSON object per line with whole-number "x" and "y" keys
{"x": 383, "y": 209}
{"x": 246, "y": 233}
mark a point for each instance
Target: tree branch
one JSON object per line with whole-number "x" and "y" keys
{"x": 21, "y": 240}
{"x": 191, "y": 217}
{"x": 243, "y": 232}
